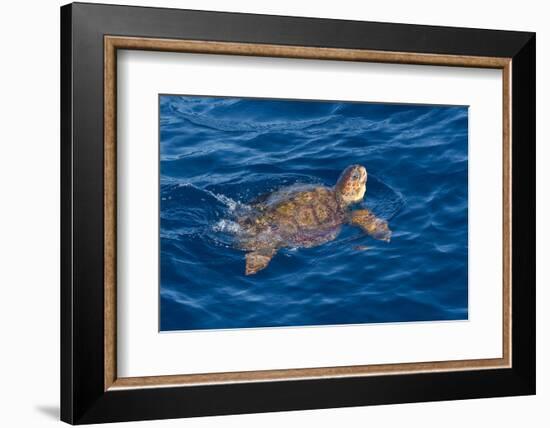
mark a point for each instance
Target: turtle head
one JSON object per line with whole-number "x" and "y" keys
{"x": 351, "y": 185}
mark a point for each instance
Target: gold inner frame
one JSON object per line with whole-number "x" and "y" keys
{"x": 113, "y": 43}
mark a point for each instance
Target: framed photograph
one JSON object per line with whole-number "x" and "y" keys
{"x": 265, "y": 213}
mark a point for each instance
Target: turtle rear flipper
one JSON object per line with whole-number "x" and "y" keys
{"x": 258, "y": 260}
{"x": 375, "y": 227}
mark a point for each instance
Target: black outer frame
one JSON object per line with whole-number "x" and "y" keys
{"x": 83, "y": 399}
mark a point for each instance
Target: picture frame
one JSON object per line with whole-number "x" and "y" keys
{"x": 91, "y": 36}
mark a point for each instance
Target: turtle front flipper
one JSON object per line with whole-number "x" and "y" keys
{"x": 258, "y": 260}
{"x": 372, "y": 225}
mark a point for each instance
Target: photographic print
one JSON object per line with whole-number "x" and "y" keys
{"x": 285, "y": 213}
{"x": 322, "y": 219}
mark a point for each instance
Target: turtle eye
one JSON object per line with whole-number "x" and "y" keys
{"x": 355, "y": 176}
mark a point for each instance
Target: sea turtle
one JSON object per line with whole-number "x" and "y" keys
{"x": 305, "y": 216}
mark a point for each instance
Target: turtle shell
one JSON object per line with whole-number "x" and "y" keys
{"x": 293, "y": 217}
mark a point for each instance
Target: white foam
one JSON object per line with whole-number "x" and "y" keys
{"x": 226, "y": 226}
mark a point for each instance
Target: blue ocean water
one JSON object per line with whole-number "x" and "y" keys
{"x": 217, "y": 154}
